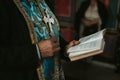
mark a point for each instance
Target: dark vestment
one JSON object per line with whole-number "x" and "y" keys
{"x": 18, "y": 56}
{"x": 51, "y": 4}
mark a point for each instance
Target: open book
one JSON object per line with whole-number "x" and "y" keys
{"x": 89, "y": 46}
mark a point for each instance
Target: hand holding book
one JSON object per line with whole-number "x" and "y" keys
{"x": 89, "y": 46}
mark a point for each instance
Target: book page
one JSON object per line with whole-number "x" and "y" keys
{"x": 80, "y": 55}
{"x": 88, "y": 43}
{"x": 85, "y": 48}
{"x": 92, "y": 37}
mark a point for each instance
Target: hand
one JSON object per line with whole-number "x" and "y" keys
{"x": 72, "y": 43}
{"x": 48, "y": 47}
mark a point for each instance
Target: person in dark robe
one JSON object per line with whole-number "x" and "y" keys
{"x": 28, "y": 49}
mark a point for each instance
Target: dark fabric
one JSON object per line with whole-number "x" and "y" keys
{"x": 63, "y": 44}
{"x": 18, "y": 57}
{"x": 51, "y": 4}
{"x": 14, "y": 37}
{"x": 117, "y": 55}
{"x": 90, "y": 30}
{"x": 103, "y": 13}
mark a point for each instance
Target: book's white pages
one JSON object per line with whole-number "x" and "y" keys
{"x": 89, "y": 46}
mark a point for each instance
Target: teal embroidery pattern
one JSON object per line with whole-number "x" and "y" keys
{"x": 42, "y": 32}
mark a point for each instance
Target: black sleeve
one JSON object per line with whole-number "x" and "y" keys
{"x": 103, "y": 14}
{"x": 77, "y": 23}
{"x": 78, "y": 16}
{"x": 63, "y": 44}
{"x": 16, "y": 49}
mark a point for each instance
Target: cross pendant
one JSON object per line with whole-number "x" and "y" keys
{"x": 48, "y": 20}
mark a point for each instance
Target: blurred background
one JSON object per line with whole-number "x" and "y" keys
{"x": 105, "y": 66}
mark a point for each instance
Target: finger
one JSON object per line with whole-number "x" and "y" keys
{"x": 76, "y": 42}
{"x": 56, "y": 49}
{"x": 73, "y": 43}
{"x": 53, "y": 39}
{"x": 55, "y": 45}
